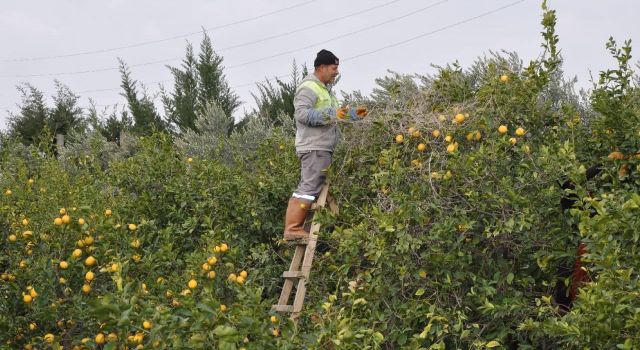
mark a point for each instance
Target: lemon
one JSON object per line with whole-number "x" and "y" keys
{"x": 504, "y": 78}
{"x": 89, "y": 276}
{"x": 192, "y": 284}
{"x": 211, "y": 274}
{"x": 49, "y": 338}
{"x": 212, "y": 260}
{"x": 520, "y": 131}
{"x": 64, "y": 265}
{"x": 240, "y": 280}
{"x": 90, "y": 261}
{"x": 108, "y": 212}
{"x": 66, "y": 219}
{"x": 422, "y": 147}
{"x": 274, "y": 319}
{"x": 435, "y": 133}
{"x": 86, "y": 288}
{"x": 12, "y": 238}
{"x": 57, "y": 221}
{"x": 81, "y": 221}
{"x": 244, "y": 274}
{"x": 513, "y": 140}
{"x": 459, "y": 118}
{"x": 27, "y": 298}
{"x": 147, "y": 325}
{"x": 100, "y": 338}
{"x": 399, "y": 138}
{"x": 224, "y": 247}
{"x": 503, "y": 129}
{"x": 132, "y": 227}
{"x": 223, "y": 308}
{"x": 25, "y": 222}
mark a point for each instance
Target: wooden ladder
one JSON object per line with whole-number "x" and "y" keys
{"x": 301, "y": 262}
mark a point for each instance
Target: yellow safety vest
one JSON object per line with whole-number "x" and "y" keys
{"x": 325, "y": 99}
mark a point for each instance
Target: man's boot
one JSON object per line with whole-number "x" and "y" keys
{"x": 294, "y": 222}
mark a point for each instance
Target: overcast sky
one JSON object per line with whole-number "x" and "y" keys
{"x": 46, "y": 40}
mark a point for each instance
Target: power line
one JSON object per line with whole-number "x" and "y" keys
{"x": 145, "y": 43}
{"x": 470, "y": 19}
{"x": 436, "y": 30}
{"x": 340, "y": 36}
{"x": 166, "y": 60}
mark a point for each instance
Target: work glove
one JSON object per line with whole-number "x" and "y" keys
{"x": 354, "y": 113}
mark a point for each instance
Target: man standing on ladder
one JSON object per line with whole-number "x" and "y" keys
{"x": 316, "y": 112}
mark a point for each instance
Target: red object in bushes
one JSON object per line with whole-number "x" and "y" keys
{"x": 579, "y": 276}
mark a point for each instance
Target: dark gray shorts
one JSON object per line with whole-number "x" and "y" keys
{"x": 313, "y": 173}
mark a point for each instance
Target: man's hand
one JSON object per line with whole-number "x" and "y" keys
{"x": 342, "y": 112}
{"x": 361, "y": 111}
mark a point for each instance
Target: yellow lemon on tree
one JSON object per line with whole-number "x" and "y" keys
{"x": 422, "y": 147}
{"x": 25, "y": 222}
{"x": 459, "y": 118}
{"x": 66, "y": 219}
{"x": 63, "y": 211}
{"x": 49, "y": 338}
{"x": 99, "y": 338}
{"x": 147, "y": 325}
{"x": 90, "y": 261}
{"x": 86, "y": 288}
{"x": 108, "y": 212}
{"x": 211, "y": 274}
{"x": 503, "y": 129}
{"x": 27, "y": 298}
{"x": 212, "y": 260}
{"x": 448, "y": 138}
{"x": 89, "y": 276}
{"x": 274, "y": 319}
{"x": 244, "y": 274}
{"x": 132, "y": 227}
{"x": 223, "y": 307}
{"x": 504, "y": 78}
{"x": 81, "y": 221}
{"x": 240, "y": 280}
{"x": 64, "y": 265}
{"x": 224, "y": 247}
{"x": 192, "y": 284}
{"x": 513, "y": 140}
{"x": 112, "y": 337}
{"x": 399, "y": 138}
{"x": 76, "y": 253}
{"x": 436, "y": 133}
{"x": 206, "y": 267}
{"x": 57, "y": 221}
{"x": 520, "y": 131}
{"x": 12, "y": 238}
{"x": 232, "y": 277}
{"x": 88, "y": 240}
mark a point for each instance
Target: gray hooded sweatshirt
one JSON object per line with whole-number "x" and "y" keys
{"x": 316, "y": 129}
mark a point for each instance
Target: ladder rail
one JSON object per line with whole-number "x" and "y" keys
{"x": 302, "y": 261}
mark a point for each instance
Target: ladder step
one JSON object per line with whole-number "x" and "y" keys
{"x": 282, "y": 308}
{"x": 294, "y": 274}
{"x": 301, "y": 241}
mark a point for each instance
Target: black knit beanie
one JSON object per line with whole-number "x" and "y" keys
{"x": 325, "y": 57}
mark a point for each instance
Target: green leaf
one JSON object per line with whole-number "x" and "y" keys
{"x": 492, "y": 344}
{"x": 509, "y": 278}
{"x": 420, "y": 291}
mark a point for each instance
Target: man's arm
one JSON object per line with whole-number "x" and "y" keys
{"x": 303, "y": 103}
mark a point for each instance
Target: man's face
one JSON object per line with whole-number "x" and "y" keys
{"x": 328, "y": 73}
